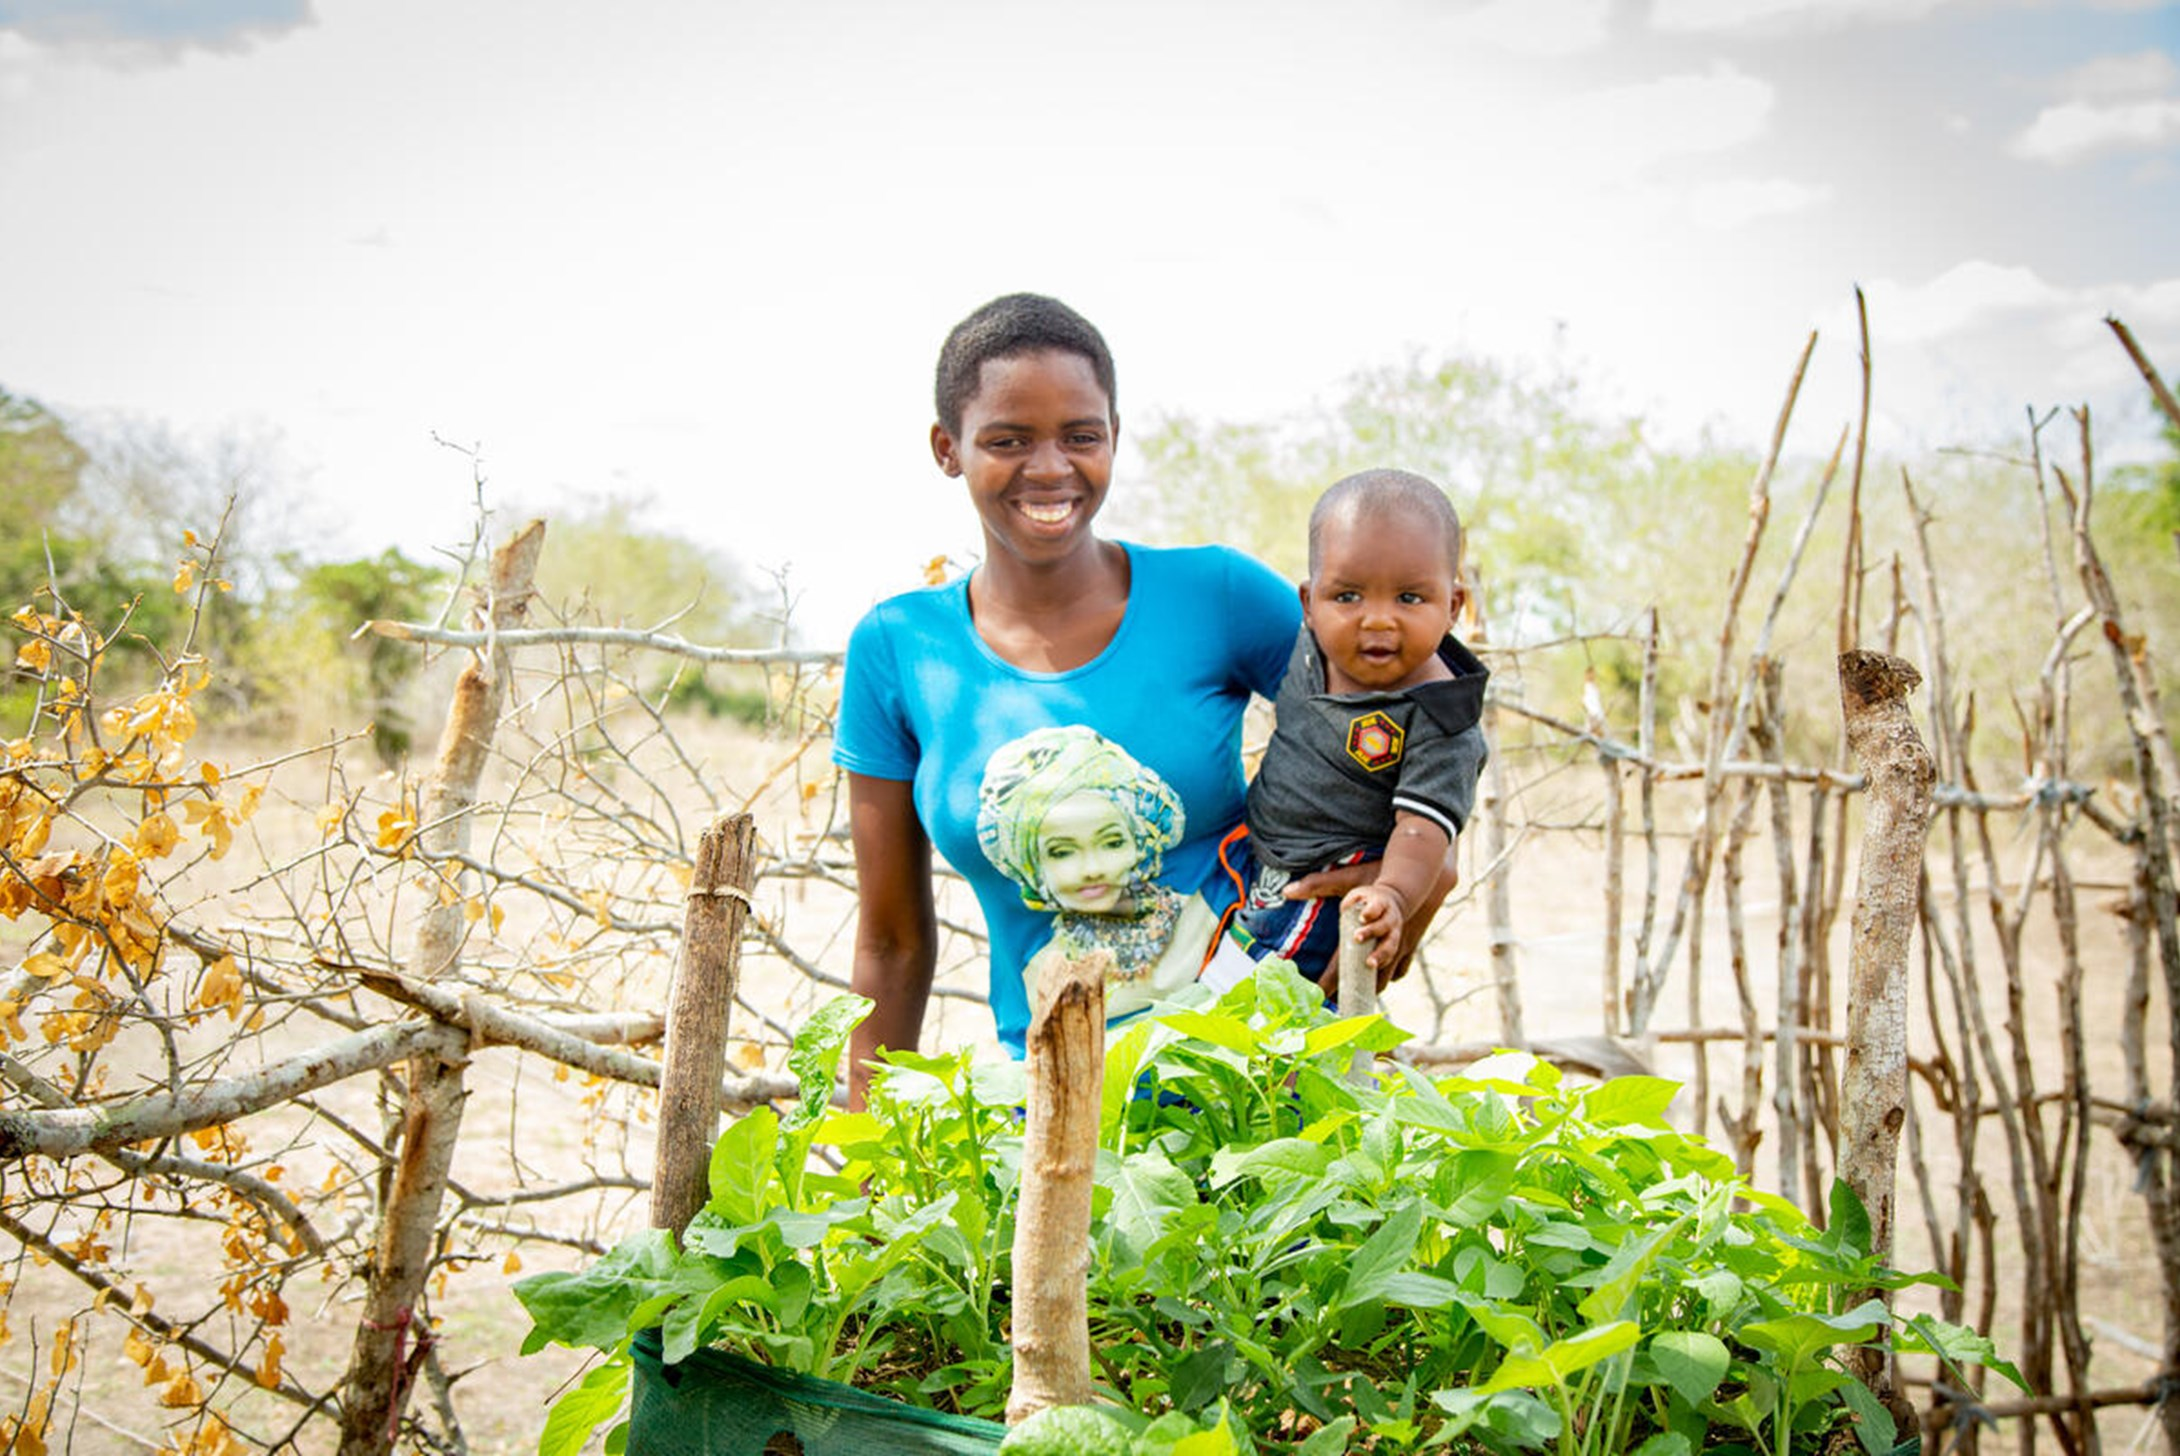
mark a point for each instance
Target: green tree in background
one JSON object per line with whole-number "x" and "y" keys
{"x": 338, "y": 596}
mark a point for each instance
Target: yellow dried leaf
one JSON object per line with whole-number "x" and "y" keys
{"x": 268, "y": 1369}
{"x": 24, "y": 1440}
{"x": 394, "y": 826}
{"x": 34, "y": 656}
{"x": 45, "y": 965}
{"x": 211, "y": 773}
{"x": 185, "y": 576}
{"x": 247, "y": 805}
{"x": 329, "y": 818}
{"x": 35, "y": 836}
{"x": 138, "y": 1350}
{"x": 934, "y": 571}
{"x": 512, "y": 1264}
{"x": 121, "y": 878}
{"x": 158, "y": 1372}
{"x": 141, "y": 1304}
{"x": 156, "y": 836}
{"x": 181, "y": 1392}
{"x": 11, "y": 1021}
{"x": 63, "y": 1358}
{"x": 601, "y": 909}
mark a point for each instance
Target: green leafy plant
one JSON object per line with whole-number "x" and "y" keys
{"x": 1500, "y": 1261}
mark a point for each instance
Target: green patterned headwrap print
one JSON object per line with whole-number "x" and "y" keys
{"x": 1045, "y": 766}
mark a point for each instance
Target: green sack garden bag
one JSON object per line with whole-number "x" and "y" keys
{"x": 717, "y": 1404}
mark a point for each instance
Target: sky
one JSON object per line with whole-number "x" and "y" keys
{"x": 702, "y": 255}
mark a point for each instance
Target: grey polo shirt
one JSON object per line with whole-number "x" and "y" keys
{"x": 1339, "y": 767}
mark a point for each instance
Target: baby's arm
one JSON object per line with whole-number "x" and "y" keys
{"x": 1414, "y": 858}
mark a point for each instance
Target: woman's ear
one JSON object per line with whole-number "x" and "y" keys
{"x": 944, "y": 450}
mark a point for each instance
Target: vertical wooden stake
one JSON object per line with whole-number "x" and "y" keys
{"x": 391, "y": 1337}
{"x": 698, "y": 1008}
{"x": 1059, "y": 1164}
{"x": 1358, "y": 985}
{"x": 1873, "y": 690}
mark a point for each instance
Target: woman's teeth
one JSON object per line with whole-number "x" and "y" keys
{"x": 1048, "y": 515}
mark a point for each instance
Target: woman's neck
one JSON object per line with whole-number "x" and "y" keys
{"x": 1051, "y": 617}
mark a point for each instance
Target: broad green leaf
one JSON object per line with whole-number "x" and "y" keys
{"x": 1562, "y": 1358}
{"x": 1416, "y": 1290}
{"x": 1795, "y": 1338}
{"x": 815, "y": 1059}
{"x": 1147, "y": 1189}
{"x": 596, "y": 1399}
{"x": 1957, "y": 1345}
{"x": 741, "y": 1165}
{"x": 592, "y": 1306}
{"x": 1226, "y": 1031}
{"x": 1850, "y": 1221}
{"x": 1284, "y": 997}
{"x": 1509, "y": 1327}
{"x": 1666, "y": 1443}
{"x": 1693, "y": 1362}
{"x": 1279, "y": 1158}
{"x": 1622, "y": 1274}
{"x": 848, "y": 1130}
{"x": 1329, "y": 1440}
{"x": 1517, "y": 1074}
{"x": 1386, "y": 1252}
{"x": 702, "y": 1315}
{"x": 1874, "y": 1425}
{"x": 1124, "y": 1061}
{"x": 1623, "y": 1100}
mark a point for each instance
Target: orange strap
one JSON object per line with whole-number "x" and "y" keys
{"x": 1241, "y": 892}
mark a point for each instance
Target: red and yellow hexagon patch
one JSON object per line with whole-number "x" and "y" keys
{"x": 1374, "y": 741}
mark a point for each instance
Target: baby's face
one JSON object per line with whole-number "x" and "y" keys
{"x": 1088, "y": 853}
{"x": 1382, "y": 598}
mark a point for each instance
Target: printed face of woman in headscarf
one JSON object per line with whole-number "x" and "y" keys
{"x": 1089, "y": 854}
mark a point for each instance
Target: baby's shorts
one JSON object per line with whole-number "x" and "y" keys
{"x": 1267, "y": 924}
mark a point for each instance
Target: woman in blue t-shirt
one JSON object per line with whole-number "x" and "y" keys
{"x": 952, "y": 693}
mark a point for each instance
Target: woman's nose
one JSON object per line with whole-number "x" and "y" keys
{"x": 1047, "y": 461}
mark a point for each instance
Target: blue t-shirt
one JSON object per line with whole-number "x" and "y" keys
{"x": 927, "y": 701}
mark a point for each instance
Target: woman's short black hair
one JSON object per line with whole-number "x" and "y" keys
{"x": 1008, "y": 327}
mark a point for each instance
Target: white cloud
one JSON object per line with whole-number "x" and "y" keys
{"x": 1712, "y": 15}
{"x": 2073, "y": 130}
{"x": 2141, "y": 73}
{"x": 1627, "y": 128}
{"x": 1723, "y": 206}
{"x": 1965, "y": 296}
{"x": 1548, "y": 28}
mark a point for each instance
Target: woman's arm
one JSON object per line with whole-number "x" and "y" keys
{"x": 896, "y": 923}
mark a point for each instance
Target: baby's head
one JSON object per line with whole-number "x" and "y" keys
{"x": 1385, "y": 578}
{"x": 1379, "y": 502}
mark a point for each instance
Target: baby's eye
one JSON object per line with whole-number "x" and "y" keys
{"x": 1411, "y": 599}
{"x": 1347, "y": 597}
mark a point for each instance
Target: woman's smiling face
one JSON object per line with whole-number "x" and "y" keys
{"x": 1089, "y": 854}
{"x": 1036, "y": 451}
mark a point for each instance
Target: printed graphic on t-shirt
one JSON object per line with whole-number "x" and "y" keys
{"x": 1374, "y": 741}
{"x": 1082, "y": 828}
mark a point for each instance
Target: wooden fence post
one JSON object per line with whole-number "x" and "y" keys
{"x": 696, "y": 1020}
{"x": 1873, "y": 691}
{"x": 391, "y": 1338}
{"x": 1059, "y": 1164}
